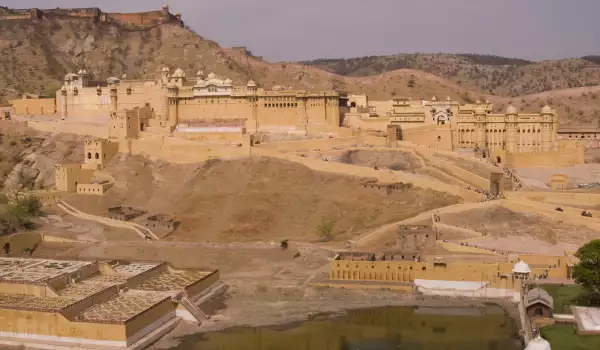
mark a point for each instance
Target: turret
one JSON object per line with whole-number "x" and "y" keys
{"x": 113, "y": 98}
{"x": 172, "y": 104}
{"x": 165, "y": 75}
{"x": 511, "y": 128}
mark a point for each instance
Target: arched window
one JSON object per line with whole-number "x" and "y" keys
{"x": 97, "y": 155}
{"x": 89, "y": 155}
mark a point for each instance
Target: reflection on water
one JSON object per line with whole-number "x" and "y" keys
{"x": 386, "y": 328}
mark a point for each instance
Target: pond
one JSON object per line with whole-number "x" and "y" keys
{"x": 386, "y": 328}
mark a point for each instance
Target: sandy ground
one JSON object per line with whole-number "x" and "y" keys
{"x": 255, "y": 199}
{"x": 540, "y": 177}
{"x": 499, "y": 222}
{"x": 476, "y": 166}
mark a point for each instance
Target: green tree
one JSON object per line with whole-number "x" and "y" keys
{"x": 586, "y": 272}
{"x": 411, "y": 83}
{"x": 325, "y": 230}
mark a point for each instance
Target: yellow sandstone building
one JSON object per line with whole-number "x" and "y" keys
{"x": 513, "y": 138}
{"x": 89, "y": 303}
{"x": 178, "y": 103}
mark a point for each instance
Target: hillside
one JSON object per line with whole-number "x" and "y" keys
{"x": 38, "y": 53}
{"x": 492, "y": 74}
{"x": 255, "y": 198}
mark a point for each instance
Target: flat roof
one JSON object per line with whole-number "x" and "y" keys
{"x": 588, "y": 318}
{"x": 32, "y": 303}
{"x": 172, "y": 280}
{"x": 36, "y": 271}
{"x": 121, "y": 308}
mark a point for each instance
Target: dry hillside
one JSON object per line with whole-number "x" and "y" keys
{"x": 28, "y": 157}
{"x": 37, "y": 54}
{"x": 492, "y": 74}
{"x": 255, "y": 199}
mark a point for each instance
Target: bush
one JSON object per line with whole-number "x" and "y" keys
{"x": 19, "y": 215}
{"x": 325, "y": 230}
{"x": 284, "y": 244}
{"x": 411, "y": 83}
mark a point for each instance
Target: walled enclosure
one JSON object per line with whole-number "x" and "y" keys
{"x": 498, "y": 275}
{"x": 85, "y": 303}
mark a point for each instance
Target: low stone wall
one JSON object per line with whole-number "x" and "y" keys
{"x": 99, "y": 131}
{"x": 323, "y": 144}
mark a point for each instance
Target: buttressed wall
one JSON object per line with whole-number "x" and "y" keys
{"x": 34, "y": 106}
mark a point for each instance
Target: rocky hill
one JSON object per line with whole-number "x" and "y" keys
{"x": 492, "y": 74}
{"x": 37, "y": 53}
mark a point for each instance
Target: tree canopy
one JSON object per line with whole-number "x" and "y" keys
{"x": 587, "y": 272}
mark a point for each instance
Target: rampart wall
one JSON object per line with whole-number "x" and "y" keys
{"x": 98, "y": 131}
{"x": 295, "y": 146}
{"x": 34, "y": 106}
{"x": 138, "y": 19}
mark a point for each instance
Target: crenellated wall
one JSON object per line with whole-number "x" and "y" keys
{"x": 138, "y": 19}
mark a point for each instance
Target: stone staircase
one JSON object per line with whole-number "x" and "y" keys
{"x": 193, "y": 309}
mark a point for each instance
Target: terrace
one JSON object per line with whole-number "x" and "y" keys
{"x": 120, "y": 309}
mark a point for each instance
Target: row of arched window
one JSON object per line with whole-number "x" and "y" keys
{"x": 503, "y": 130}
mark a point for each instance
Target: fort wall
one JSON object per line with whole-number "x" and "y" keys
{"x": 138, "y": 19}
{"x": 52, "y": 326}
{"x": 98, "y": 131}
{"x": 305, "y": 145}
{"x": 408, "y": 271}
{"x": 34, "y": 106}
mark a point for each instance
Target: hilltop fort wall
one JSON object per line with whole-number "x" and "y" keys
{"x": 139, "y": 19}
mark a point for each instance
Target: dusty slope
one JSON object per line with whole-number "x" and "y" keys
{"x": 258, "y": 198}
{"x": 493, "y": 74}
{"x": 36, "y": 55}
{"x": 28, "y": 157}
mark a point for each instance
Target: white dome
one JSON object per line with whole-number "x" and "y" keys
{"x": 165, "y": 69}
{"x": 228, "y": 81}
{"x": 433, "y": 98}
{"x": 251, "y": 83}
{"x": 538, "y": 344}
{"x": 199, "y": 73}
{"x": 211, "y": 76}
{"x": 521, "y": 267}
{"x": 546, "y": 110}
{"x": 179, "y": 73}
{"x": 511, "y": 110}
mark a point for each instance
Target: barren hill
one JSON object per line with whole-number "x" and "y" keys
{"x": 37, "y": 53}
{"x": 492, "y": 74}
{"x": 255, "y": 199}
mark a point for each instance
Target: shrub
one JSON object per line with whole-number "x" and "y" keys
{"x": 284, "y": 244}
{"x": 325, "y": 230}
{"x": 411, "y": 83}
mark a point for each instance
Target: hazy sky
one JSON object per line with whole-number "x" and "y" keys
{"x": 308, "y": 29}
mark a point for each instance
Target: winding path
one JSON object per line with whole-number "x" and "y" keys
{"x": 142, "y": 231}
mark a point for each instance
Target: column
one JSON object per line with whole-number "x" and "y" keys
{"x": 63, "y": 103}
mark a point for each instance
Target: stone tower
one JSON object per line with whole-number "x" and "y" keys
{"x": 172, "y": 104}
{"x": 480, "y": 115}
{"x": 113, "y": 98}
{"x": 511, "y": 128}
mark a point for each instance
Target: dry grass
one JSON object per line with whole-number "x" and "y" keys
{"x": 256, "y": 199}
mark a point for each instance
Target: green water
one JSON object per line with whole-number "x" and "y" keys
{"x": 387, "y": 328}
